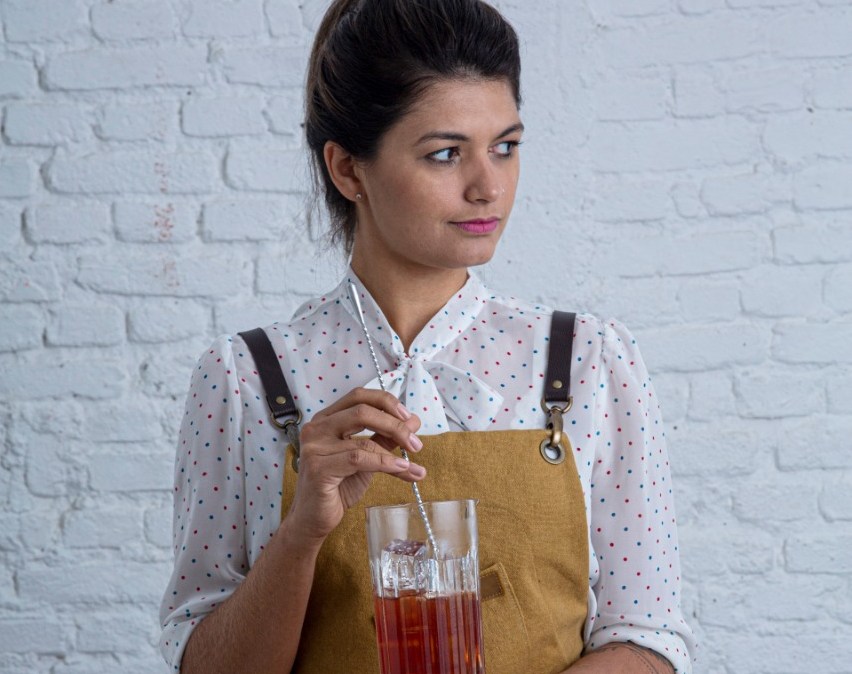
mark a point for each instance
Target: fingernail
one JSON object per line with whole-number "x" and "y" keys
{"x": 416, "y": 470}
{"x": 415, "y": 442}
{"x": 402, "y": 463}
{"x": 404, "y": 412}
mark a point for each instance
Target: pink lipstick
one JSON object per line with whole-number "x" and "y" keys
{"x": 482, "y": 226}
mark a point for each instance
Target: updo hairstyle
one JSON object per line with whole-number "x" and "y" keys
{"x": 370, "y": 62}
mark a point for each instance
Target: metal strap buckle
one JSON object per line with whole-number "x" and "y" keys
{"x": 291, "y": 428}
{"x": 551, "y": 448}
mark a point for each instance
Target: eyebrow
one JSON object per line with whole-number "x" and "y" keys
{"x": 460, "y": 137}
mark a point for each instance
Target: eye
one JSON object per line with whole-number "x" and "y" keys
{"x": 506, "y": 148}
{"x": 444, "y": 156}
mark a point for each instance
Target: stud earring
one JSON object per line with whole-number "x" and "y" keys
{"x": 359, "y": 196}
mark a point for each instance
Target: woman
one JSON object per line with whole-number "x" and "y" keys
{"x": 412, "y": 120}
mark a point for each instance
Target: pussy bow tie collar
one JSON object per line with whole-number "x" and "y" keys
{"x": 423, "y": 379}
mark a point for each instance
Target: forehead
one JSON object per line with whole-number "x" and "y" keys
{"x": 469, "y": 106}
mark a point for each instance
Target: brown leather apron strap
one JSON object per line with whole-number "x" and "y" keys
{"x": 557, "y": 380}
{"x": 278, "y": 397}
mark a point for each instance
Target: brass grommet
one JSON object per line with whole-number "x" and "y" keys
{"x": 557, "y": 384}
{"x": 281, "y": 400}
{"x": 553, "y": 454}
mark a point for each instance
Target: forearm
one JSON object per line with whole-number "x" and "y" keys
{"x": 258, "y": 628}
{"x": 624, "y": 658}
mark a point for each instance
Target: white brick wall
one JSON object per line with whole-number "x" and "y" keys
{"x": 688, "y": 169}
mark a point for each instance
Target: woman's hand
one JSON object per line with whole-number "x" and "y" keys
{"x": 335, "y": 468}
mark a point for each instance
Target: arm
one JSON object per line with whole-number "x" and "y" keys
{"x": 217, "y": 615}
{"x": 624, "y": 658}
{"x": 633, "y": 527}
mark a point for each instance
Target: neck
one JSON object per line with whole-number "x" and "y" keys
{"x": 408, "y": 295}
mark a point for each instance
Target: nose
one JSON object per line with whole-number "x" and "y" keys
{"x": 483, "y": 182}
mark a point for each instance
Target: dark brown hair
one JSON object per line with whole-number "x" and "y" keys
{"x": 372, "y": 59}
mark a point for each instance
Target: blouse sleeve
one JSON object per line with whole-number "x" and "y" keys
{"x": 209, "y": 515}
{"x": 633, "y": 527}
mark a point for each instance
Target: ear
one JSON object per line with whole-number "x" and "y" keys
{"x": 343, "y": 169}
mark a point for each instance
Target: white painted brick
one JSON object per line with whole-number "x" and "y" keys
{"x": 835, "y": 500}
{"x": 92, "y": 581}
{"x": 237, "y": 315}
{"x": 124, "y": 68}
{"x": 704, "y": 559}
{"x": 792, "y": 35}
{"x": 135, "y": 419}
{"x": 622, "y": 199}
{"x": 840, "y": 392}
{"x": 631, "y": 97}
{"x": 86, "y": 378}
{"x": 267, "y": 66}
{"x": 135, "y": 468}
{"x": 798, "y": 137}
{"x": 814, "y": 443}
{"x": 696, "y": 94}
{"x": 266, "y": 170}
{"x": 108, "y": 526}
{"x": 32, "y": 635}
{"x": 824, "y": 186}
{"x": 231, "y": 116}
{"x": 58, "y": 223}
{"x": 47, "y": 472}
{"x": 638, "y": 7}
{"x": 118, "y": 630}
{"x": 783, "y": 291}
{"x": 80, "y": 663}
{"x": 711, "y": 396}
{"x": 276, "y": 277}
{"x": 696, "y": 254}
{"x": 687, "y": 201}
{"x": 40, "y": 531}
{"x": 813, "y": 342}
{"x": 137, "y": 121}
{"x": 713, "y": 38}
{"x": 698, "y": 7}
{"x": 165, "y": 273}
{"x": 832, "y": 88}
{"x": 152, "y": 222}
{"x": 21, "y": 326}
{"x": 286, "y": 113}
{"x": 9, "y": 533}
{"x": 667, "y": 146}
{"x": 838, "y": 289}
{"x": 748, "y": 4}
{"x": 702, "y": 300}
{"x": 16, "y": 178}
{"x": 134, "y": 172}
{"x": 39, "y": 124}
{"x": 709, "y": 448}
{"x": 246, "y": 220}
{"x": 814, "y": 552}
{"x": 224, "y": 18}
{"x": 89, "y": 324}
{"x": 285, "y": 19}
{"x": 744, "y": 193}
{"x": 38, "y": 20}
{"x": 647, "y": 302}
{"x": 726, "y": 604}
{"x": 28, "y": 281}
{"x": 779, "y": 394}
{"x": 133, "y": 20}
{"x": 158, "y": 525}
{"x": 673, "y": 394}
{"x": 17, "y": 79}
{"x": 11, "y": 226}
{"x": 813, "y": 243}
{"x": 167, "y": 320}
{"x": 788, "y": 652}
{"x": 766, "y": 90}
{"x": 167, "y": 373}
{"x": 693, "y": 348}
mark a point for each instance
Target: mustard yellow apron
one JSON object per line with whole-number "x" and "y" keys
{"x": 533, "y": 556}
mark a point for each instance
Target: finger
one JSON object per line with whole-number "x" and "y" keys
{"x": 362, "y": 417}
{"x": 363, "y": 396}
{"x": 362, "y": 455}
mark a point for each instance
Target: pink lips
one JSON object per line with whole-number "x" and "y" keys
{"x": 478, "y": 226}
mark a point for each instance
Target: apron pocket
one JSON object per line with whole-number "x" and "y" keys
{"x": 506, "y": 644}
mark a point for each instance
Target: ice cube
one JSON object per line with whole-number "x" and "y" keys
{"x": 405, "y": 567}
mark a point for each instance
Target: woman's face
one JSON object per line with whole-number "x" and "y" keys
{"x": 440, "y": 190}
